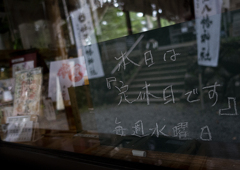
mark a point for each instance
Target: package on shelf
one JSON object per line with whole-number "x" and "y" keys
{"x": 27, "y": 96}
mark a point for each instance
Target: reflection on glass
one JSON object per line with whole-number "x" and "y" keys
{"x": 121, "y": 79}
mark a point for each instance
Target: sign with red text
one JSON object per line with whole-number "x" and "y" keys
{"x": 70, "y": 73}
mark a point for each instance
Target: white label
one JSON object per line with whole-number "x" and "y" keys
{"x": 208, "y": 25}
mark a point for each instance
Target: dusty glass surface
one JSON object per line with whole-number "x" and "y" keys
{"x": 149, "y": 81}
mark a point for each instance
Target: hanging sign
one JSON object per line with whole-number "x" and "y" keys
{"x": 208, "y": 25}
{"x": 86, "y": 41}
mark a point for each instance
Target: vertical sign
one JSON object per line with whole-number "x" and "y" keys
{"x": 69, "y": 73}
{"x": 208, "y": 25}
{"x": 27, "y": 93}
{"x": 86, "y": 41}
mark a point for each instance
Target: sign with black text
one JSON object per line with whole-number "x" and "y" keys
{"x": 208, "y": 20}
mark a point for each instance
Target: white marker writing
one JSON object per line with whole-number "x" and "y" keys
{"x": 223, "y": 111}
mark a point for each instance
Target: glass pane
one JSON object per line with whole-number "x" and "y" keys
{"x": 149, "y": 81}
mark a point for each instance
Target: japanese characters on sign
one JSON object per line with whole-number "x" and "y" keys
{"x": 208, "y": 20}
{"x": 86, "y": 41}
{"x": 166, "y": 96}
{"x": 168, "y": 92}
{"x": 124, "y": 60}
{"x": 27, "y": 92}
{"x": 179, "y": 131}
{"x": 93, "y": 61}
